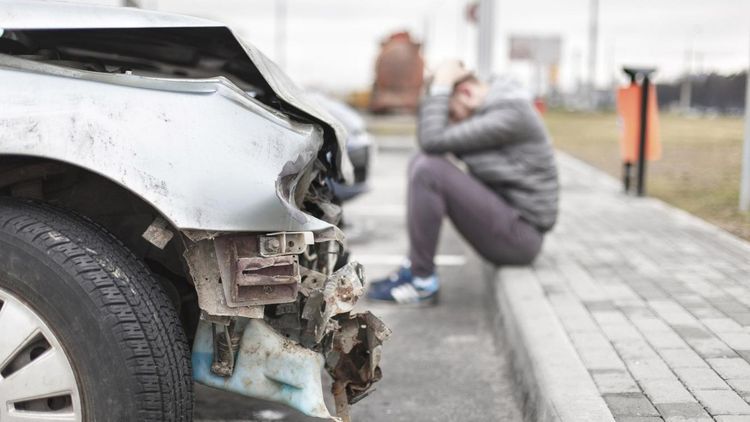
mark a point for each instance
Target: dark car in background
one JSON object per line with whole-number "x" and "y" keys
{"x": 359, "y": 145}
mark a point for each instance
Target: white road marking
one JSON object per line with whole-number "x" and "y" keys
{"x": 395, "y": 259}
{"x": 269, "y": 415}
{"x": 376, "y": 211}
{"x": 460, "y": 339}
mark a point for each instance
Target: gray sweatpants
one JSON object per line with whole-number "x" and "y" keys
{"x": 493, "y": 227}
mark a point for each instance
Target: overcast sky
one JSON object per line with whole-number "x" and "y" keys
{"x": 333, "y": 43}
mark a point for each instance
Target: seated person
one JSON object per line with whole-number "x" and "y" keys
{"x": 504, "y": 204}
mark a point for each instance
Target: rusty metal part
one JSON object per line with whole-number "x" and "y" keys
{"x": 249, "y": 279}
{"x": 331, "y": 233}
{"x": 226, "y": 344}
{"x": 285, "y": 243}
{"x": 204, "y": 271}
{"x": 344, "y": 287}
{"x": 342, "y": 403}
{"x": 158, "y": 233}
{"x": 337, "y": 295}
{"x": 264, "y": 280}
{"x": 355, "y": 355}
{"x": 311, "y": 281}
{"x": 198, "y": 235}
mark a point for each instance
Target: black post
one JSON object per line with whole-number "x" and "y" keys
{"x": 645, "y": 73}
{"x": 626, "y": 175}
{"x": 642, "y": 141}
{"x": 628, "y": 166}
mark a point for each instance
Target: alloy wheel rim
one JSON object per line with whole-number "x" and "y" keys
{"x": 37, "y": 381}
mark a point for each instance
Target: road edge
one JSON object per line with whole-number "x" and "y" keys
{"x": 555, "y": 386}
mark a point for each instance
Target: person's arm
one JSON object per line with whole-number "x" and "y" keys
{"x": 491, "y": 128}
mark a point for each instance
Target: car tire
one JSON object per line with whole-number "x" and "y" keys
{"x": 97, "y": 302}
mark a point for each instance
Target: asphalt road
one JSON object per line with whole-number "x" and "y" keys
{"x": 442, "y": 363}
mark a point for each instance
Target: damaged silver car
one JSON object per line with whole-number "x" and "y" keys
{"x": 166, "y": 216}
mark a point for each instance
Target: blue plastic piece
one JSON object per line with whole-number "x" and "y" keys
{"x": 268, "y": 367}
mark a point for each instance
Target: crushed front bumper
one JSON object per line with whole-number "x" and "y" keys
{"x": 272, "y": 319}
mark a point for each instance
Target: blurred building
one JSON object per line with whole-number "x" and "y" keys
{"x": 543, "y": 54}
{"x": 399, "y": 73}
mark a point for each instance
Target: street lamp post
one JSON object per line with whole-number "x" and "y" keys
{"x": 593, "y": 45}
{"x": 280, "y": 33}
{"x": 745, "y": 181}
{"x": 486, "y": 38}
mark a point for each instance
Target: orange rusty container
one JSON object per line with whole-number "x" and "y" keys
{"x": 399, "y": 72}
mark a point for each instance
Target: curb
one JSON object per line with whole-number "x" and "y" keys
{"x": 555, "y": 386}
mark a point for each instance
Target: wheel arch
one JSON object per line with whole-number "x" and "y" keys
{"x": 110, "y": 204}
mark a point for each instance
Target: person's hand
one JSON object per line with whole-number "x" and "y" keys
{"x": 448, "y": 72}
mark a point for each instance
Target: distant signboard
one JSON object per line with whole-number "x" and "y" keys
{"x": 538, "y": 49}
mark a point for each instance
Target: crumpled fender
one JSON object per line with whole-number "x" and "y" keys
{"x": 201, "y": 152}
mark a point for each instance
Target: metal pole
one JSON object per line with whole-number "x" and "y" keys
{"x": 627, "y": 165}
{"x": 461, "y": 26}
{"x": 280, "y": 39}
{"x": 745, "y": 181}
{"x": 686, "y": 90}
{"x": 486, "y": 38}
{"x": 593, "y": 41}
{"x": 645, "y": 86}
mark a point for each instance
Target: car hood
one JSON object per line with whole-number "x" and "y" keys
{"x": 37, "y": 14}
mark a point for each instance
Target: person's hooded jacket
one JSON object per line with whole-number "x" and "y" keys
{"x": 504, "y": 144}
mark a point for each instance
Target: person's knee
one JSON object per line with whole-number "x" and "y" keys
{"x": 424, "y": 167}
{"x": 516, "y": 257}
{"x": 527, "y": 256}
{"x": 523, "y": 253}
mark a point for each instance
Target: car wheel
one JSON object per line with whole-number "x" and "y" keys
{"x": 86, "y": 333}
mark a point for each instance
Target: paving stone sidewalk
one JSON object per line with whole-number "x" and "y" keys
{"x": 655, "y": 302}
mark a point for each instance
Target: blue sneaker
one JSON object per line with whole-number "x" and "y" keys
{"x": 403, "y": 288}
